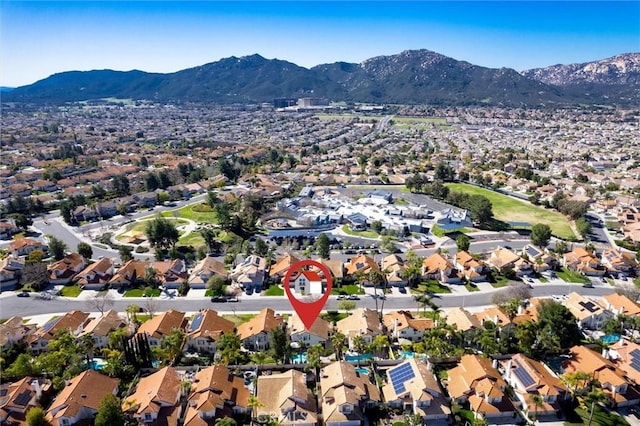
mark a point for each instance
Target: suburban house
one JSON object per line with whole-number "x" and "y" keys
{"x": 320, "y": 332}
{"x": 619, "y": 304}
{"x": 279, "y": 269}
{"x": 131, "y": 273}
{"x": 156, "y": 399}
{"x": 346, "y": 394}
{"x": 590, "y": 314}
{"x": 493, "y": 314}
{"x": 502, "y": 258}
{"x": 453, "y": 218}
{"x": 7, "y": 229}
{"x": 13, "y": 331}
{"x": 73, "y": 321}
{"x": 171, "y": 273}
{"x": 477, "y": 381}
{"x": 160, "y": 326}
{"x": 215, "y": 393}
{"x": 24, "y": 246}
{"x": 17, "y": 398}
{"x": 471, "y": 269}
{"x": 250, "y": 274}
{"x": 618, "y": 262}
{"x": 286, "y": 398}
{"x": 10, "y": 270}
{"x": 361, "y": 264}
{"x": 540, "y": 259}
{"x": 626, "y": 355}
{"x": 437, "y": 267}
{"x": 204, "y": 271}
{"x": 335, "y": 267}
{"x": 529, "y": 377}
{"x": 96, "y": 275}
{"x": 393, "y": 267}
{"x": 205, "y": 329}
{"x": 254, "y": 333}
{"x": 412, "y": 386}
{"x": 65, "y": 269}
{"x": 580, "y": 260}
{"x": 100, "y": 328}
{"x": 612, "y": 379}
{"x": 402, "y": 325}
{"x": 80, "y": 398}
{"x": 462, "y": 319}
{"x": 362, "y": 322}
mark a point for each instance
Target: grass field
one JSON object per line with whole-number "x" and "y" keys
{"x": 191, "y": 239}
{"x": 509, "y": 209}
{"x": 420, "y": 120}
{"x": 572, "y": 277}
{"x": 71, "y": 291}
{"x": 274, "y": 290}
{"x": 141, "y": 292}
{"x": 363, "y": 234}
{"x": 345, "y": 117}
{"x": 600, "y": 417}
{"x": 239, "y": 318}
{"x": 347, "y": 289}
{"x": 200, "y": 213}
{"x": 430, "y": 286}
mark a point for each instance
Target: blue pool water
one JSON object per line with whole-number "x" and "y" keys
{"x": 97, "y": 364}
{"x": 610, "y": 338}
{"x": 362, "y": 371}
{"x": 407, "y": 354}
{"x": 299, "y": 358}
{"x": 357, "y": 358}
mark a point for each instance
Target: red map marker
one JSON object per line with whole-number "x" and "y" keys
{"x": 308, "y": 311}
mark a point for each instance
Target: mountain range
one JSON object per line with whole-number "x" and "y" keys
{"x": 410, "y": 77}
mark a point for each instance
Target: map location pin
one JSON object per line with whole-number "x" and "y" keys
{"x": 304, "y": 276}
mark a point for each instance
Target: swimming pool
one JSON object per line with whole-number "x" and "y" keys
{"x": 408, "y": 354}
{"x": 610, "y": 338}
{"x": 97, "y": 364}
{"x": 357, "y": 358}
{"x": 362, "y": 371}
{"x": 299, "y": 358}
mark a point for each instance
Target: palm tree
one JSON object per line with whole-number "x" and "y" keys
{"x": 339, "y": 343}
{"x": 423, "y": 301}
{"x": 595, "y": 396}
{"x": 259, "y": 358}
{"x": 132, "y": 310}
{"x": 225, "y": 421}
{"x": 86, "y": 344}
{"x": 173, "y": 343}
{"x": 575, "y": 381}
{"x": 254, "y": 403}
{"x": 537, "y": 401}
{"x": 359, "y": 344}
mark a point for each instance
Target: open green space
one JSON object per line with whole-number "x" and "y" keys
{"x": 420, "y": 120}
{"x": 70, "y": 291}
{"x": 572, "y": 277}
{"x": 471, "y": 287}
{"x": 363, "y": 234}
{"x": 142, "y": 292}
{"x": 333, "y": 316}
{"x": 600, "y": 417}
{"x": 345, "y": 117}
{"x": 347, "y": 289}
{"x": 430, "y": 286}
{"x": 274, "y": 290}
{"x": 191, "y": 239}
{"x": 200, "y": 213}
{"x": 498, "y": 281}
{"x": 140, "y": 226}
{"x": 509, "y": 209}
{"x": 239, "y": 318}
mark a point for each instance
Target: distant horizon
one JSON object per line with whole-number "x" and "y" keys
{"x": 167, "y": 36}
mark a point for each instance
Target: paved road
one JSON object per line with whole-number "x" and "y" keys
{"x": 11, "y": 305}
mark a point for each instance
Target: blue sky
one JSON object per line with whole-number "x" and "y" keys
{"x": 38, "y": 39}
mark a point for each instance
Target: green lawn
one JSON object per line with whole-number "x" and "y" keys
{"x": 600, "y": 418}
{"x": 499, "y": 281}
{"x": 430, "y": 286}
{"x": 542, "y": 279}
{"x": 71, "y": 291}
{"x": 572, "y": 277}
{"x": 364, "y": 234}
{"x": 274, "y": 290}
{"x": 239, "y": 318}
{"x": 333, "y": 316}
{"x": 191, "y": 239}
{"x": 347, "y": 289}
{"x": 200, "y": 213}
{"x": 509, "y": 209}
{"x": 471, "y": 287}
{"x": 420, "y": 120}
{"x": 141, "y": 292}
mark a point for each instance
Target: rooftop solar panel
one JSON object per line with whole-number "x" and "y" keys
{"x": 635, "y": 365}
{"x": 197, "y": 320}
{"x": 524, "y": 376}
{"x": 49, "y": 325}
{"x": 399, "y": 375}
{"x": 635, "y": 353}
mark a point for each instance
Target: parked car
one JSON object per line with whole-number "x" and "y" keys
{"x": 353, "y": 297}
{"x": 232, "y": 299}
{"x": 219, "y": 299}
{"x": 342, "y": 297}
{"x": 24, "y": 294}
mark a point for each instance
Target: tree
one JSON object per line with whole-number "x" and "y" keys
{"x": 595, "y": 396}
{"x": 540, "y": 235}
{"x": 109, "y": 412}
{"x": 575, "y": 381}
{"x": 120, "y": 185}
{"x": 161, "y": 233}
{"x": 583, "y": 226}
{"x": 280, "y": 344}
{"x": 34, "y": 274}
{"x": 261, "y": 247}
{"x": 413, "y": 268}
{"x": 537, "y": 402}
{"x": 359, "y": 344}
{"x": 556, "y": 325}
{"x": 172, "y": 343}
{"x": 254, "y": 403}
{"x": 463, "y": 242}
{"x": 35, "y": 417}
{"x": 339, "y": 343}
{"x": 151, "y": 305}
{"x": 225, "y": 421}
{"x": 21, "y": 220}
{"x": 125, "y": 253}
{"x": 210, "y": 239}
{"x": 376, "y": 225}
{"x": 323, "y": 246}
{"x": 85, "y": 250}
{"x": 101, "y": 302}
{"x": 216, "y": 283}
{"x": 228, "y": 347}
{"x": 56, "y": 247}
